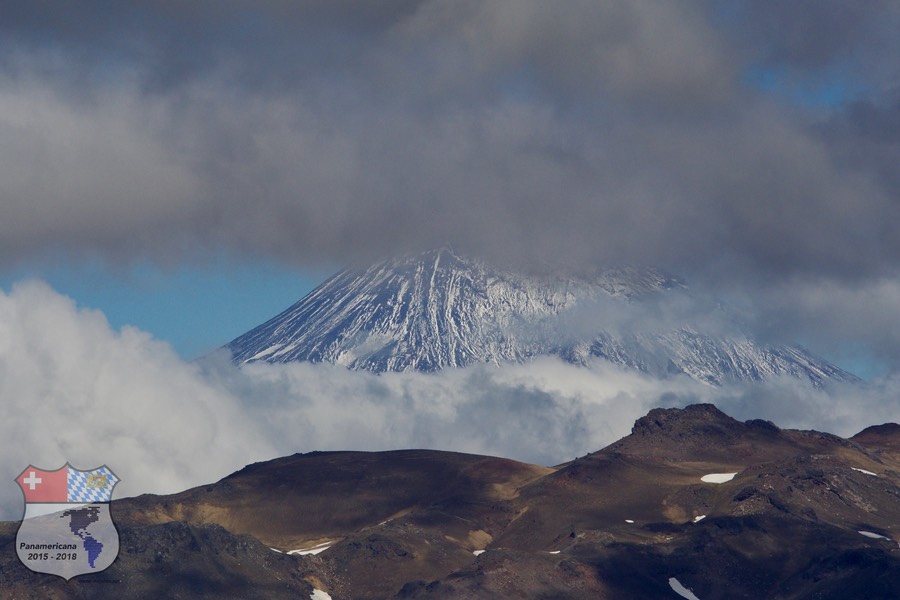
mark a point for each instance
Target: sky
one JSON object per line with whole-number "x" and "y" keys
{"x": 172, "y": 174}
{"x": 194, "y": 308}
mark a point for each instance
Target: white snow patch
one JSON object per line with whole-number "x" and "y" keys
{"x": 874, "y": 536}
{"x": 554, "y": 552}
{"x": 718, "y": 477}
{"x": 478, "y": 552}
{"x": 866, "y": 472}
{"x": 312, "y": 549}
{"x": 681, "y": 590}
{"x": 265, "y": 352}
{"x": 276, "y": 550}
{"x": 319, "y": 595}
{"x": 699, "y": 518}
{"x": 629, "y": 521}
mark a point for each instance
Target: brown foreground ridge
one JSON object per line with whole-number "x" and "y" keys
{"x": 692, "y": 502}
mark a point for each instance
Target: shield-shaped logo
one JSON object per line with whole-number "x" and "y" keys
{"x": 67, "y": 529}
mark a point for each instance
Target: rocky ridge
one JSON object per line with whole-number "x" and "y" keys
{"x": 727, "y": 509}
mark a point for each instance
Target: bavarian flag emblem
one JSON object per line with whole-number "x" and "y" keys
{"x": 67, "y": 529}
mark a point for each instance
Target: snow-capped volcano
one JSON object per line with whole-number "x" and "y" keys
{"x": 439, "y": 310}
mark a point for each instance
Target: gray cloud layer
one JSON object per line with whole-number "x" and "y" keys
{"x": 729, "y": 141}
{"x": 614, "y": 131}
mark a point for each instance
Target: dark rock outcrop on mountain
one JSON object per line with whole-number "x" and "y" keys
{"x": 438, "y": 310}
{"x": 883, "y": 437}
{"x": 170, "y": 560}
{"x": 692, "y": 498}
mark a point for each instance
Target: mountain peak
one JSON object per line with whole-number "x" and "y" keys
{"x": 440, "y": 309}
{"x": 886, "y": 436}
{"x": 698, "y": 430}
{"x": 674, "y": 419}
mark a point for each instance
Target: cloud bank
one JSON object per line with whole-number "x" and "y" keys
{"x": 721, "y": 136}
{"x": 76, "y": 390}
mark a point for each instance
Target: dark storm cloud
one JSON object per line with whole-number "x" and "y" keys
{"x": 813, "y": 37}
{"x": 171, "y": 42}
{"x": 726, "y": 141}
{"x": 867, "y": 136}
{"x": 804, "y": 33}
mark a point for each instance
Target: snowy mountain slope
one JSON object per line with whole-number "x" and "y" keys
{"x": 438, "y": 310}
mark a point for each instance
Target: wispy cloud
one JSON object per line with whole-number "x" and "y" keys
{"x": 75, "y": 390}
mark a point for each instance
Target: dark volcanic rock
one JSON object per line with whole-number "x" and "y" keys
{"x": 294, "y": 501}
{"x": 884, "y": 437}
{"x": 173, "y": 560}
{"x": 793, "y": 515}
{"x": 511, "y": 574}
{"x": 699, "y": 422}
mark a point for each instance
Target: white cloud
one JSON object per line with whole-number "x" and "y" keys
{"x": 843, "y": 409}
{"x": 75, "y": 390}
{"x": 545, "y": 412}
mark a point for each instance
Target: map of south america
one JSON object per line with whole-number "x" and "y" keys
{"x": 80, "y": 520}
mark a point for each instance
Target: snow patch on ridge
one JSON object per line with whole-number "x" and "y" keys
{"x": 681, "y": 590}
{"x": 718, "y": 477}
{"x": 312, "y": 549}
{"x": 866, "y": 472}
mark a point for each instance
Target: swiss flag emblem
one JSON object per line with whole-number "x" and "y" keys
{"x": 44, "y": 486}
